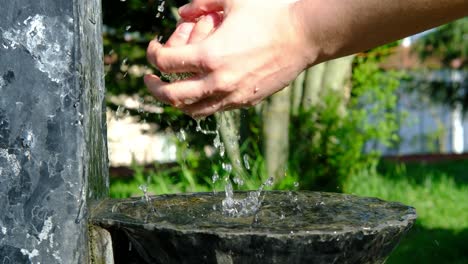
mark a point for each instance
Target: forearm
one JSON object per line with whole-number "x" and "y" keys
{"x": 335, "y": 28}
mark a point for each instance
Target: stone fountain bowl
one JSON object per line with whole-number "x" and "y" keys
{"x": 290, "y": 227}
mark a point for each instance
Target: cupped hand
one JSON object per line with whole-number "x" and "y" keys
{"x": 256, "y": 50}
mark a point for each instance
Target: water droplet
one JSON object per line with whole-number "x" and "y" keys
{"x": 227, "y": 167}
{"x": 269, "y": 181}
{"x": 296, "y": 184}
{"x": 120, "y": 111}
{"x": 181, "y": 135}
{"x": 238, "y": 180}
{"x": 246, "y": 161}
{"x": 141, "y": 105}
{"x": 127, "y": 28}
{"x": 218, "y": 144}
{"x": 215, "y": 177}
{"x": 161, "y": 6}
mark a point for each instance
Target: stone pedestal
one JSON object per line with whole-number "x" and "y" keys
{"x": 291, "y": 227}
{"x": 53, "y": 158}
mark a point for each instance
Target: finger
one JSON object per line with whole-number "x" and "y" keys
{"x": 180, "y": 21}
{"x": 179, "y": 93}
{"x": 185, "y": 58}
{"x": 204, "y": 108}
{"x": 181, "y": 35}
{"x": 197, "y": 8}
{"x": 204, "y": 27}
{"x": 154, "y": 83}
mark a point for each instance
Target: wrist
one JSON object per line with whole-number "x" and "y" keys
{"x": 306, "y": 25}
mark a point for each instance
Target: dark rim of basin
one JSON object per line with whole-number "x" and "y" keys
{"x": 301, "y": 213}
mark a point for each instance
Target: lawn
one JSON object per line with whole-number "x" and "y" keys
{"x": 439, "y": 192}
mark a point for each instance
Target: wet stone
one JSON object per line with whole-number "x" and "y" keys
{"x": 290, "y": 227}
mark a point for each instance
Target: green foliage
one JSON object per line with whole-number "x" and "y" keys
{"x": 332, "y": 143}
{"x": 448, "y": 42}
{"x": 438, "y": 192}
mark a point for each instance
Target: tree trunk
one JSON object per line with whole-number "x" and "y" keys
{"x": 336, "y": 79}
{"x": 332, "y": 76}
{"x": 276, "y": 132}
{"x": 297, "y": 92}
{"x": 312, "y": 86}
{"x": 229, "y": 130}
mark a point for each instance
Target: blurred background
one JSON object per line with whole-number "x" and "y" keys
{"x": 389, "y": 123}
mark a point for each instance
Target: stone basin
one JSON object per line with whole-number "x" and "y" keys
{"x": 290, "y": 227}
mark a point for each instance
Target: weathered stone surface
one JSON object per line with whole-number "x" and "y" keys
{"x": 52, "y": 131}
{"x": 100, "y": 246}
{"x": 294, "y": 227}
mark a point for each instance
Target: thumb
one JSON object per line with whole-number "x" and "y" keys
{"x": 198, "y": 8}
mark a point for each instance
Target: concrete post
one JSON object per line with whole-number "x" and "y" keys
{"x": 53, "y": 157}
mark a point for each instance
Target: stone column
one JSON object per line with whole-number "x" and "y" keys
{"x": 53, "y": 157}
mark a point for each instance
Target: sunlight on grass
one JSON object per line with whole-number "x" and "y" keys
{"x": 440, "y": 198}
{"x": 439, "y": 201}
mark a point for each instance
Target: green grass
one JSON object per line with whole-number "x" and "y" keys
{"x": 184, "y": 177}
{"x": 439, "y": 192}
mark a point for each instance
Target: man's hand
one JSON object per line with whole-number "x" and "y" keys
{"x": 255, "y": 49}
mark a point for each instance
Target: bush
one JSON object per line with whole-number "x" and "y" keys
{"x": 332, "y": 143}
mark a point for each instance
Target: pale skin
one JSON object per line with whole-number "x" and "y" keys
{"x": 242, "y": 51}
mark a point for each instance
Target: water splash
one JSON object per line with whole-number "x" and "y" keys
{"x": 247, "y": 206}
{"x": 147, "y": 200}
